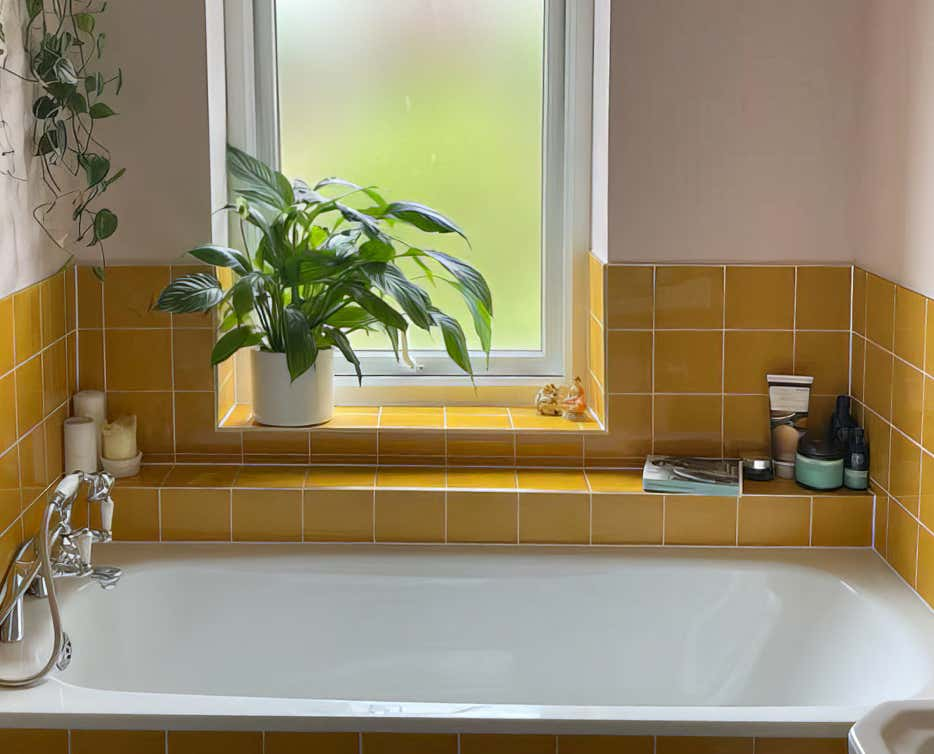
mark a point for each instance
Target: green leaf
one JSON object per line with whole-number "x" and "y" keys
{"x": 64, "y": 71}
{"x": 230, "y": 343}
{"x": 33, "y": 9}
{"x": 377, "y": 250}
{"x": 197, "y": 292}
{"x": 101, "y": 110}
{"x": 95, "y": 167}
{"x": 222, "y": 256}
{"x": 44, "y": 107}
{"x": 85, "y": 22}
{"x": 105, "y": 224}
{"x": 77, "y": 103}
{"x": 98, "y": 273}
{"x": 243, "y": 294}
{"x": 48, "y": 143}
{"x": 413, "y": 300}
{"x": 466, "y": 275}
{"x": 340, "y": 340}
{"x": 377, "y": 307}
{"x": 114, "y": 178}
{"x": 422, "y": 217}
{"x": 260, "y": 179}
{"x": 454, "y": 341}
{"x": 482, "y": 320}
{"x": 370, "y": 225}
{"x": 300, "y": 347}
{"x": 370, "y": 191}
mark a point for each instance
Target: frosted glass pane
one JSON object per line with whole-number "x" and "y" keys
{"x": 437, "y": 101}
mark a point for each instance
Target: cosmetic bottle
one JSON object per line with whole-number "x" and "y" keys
{"x": 841, "y": 422}
{"x": 856, "y": 464}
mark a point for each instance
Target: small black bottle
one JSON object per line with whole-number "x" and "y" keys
{"x": 841, "y": 422}
{"x": 856, "y": 463}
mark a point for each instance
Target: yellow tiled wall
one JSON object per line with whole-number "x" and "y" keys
{"x": 245, "y": 742}
{"x": 37, "y": 378}
{"x": 893, "y": 384}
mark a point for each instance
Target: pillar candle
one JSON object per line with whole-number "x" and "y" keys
{"x": 80, "y": 444}
{"x": 93, "y": 404}
{"x": 119, "y": 439}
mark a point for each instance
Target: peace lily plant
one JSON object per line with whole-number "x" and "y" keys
{"x": 318, "y": 269}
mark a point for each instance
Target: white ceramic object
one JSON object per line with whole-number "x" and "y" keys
{"x": 93, "y": 404}
{"x": 80, "y": 434}
{"x": 904, "y": 727}
{"x": 123, "y": 467}
{"x": 707, "y": 642}
{"x": 279, "y": 402}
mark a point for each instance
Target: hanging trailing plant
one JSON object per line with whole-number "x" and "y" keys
{"x": 64, "y": 50}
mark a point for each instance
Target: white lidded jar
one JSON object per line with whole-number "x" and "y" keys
{"x": 279, "y": 402}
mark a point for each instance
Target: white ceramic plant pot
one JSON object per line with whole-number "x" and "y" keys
{"x": 279, "y": 402}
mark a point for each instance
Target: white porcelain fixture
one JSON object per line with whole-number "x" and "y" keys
{"x": 279, "y": 402}
{"x": 905, "y": 727}
{"x": 511, "y": 639}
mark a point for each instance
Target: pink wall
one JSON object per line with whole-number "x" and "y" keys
{"x": 898, "y": 118}
{"x": 734, "y": 130}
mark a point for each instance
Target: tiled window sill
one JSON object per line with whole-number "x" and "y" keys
{"x": 447, "y": 418}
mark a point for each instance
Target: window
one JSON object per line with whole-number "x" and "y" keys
{"x": 459, "y": 104}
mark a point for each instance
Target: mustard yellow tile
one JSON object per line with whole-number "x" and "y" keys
{"x": 472, "y": 448}
{"x": 409, "y": 743}
{"x": 338, "y": 447}
{"x": 7, "y": 356}
{"x": 801, "y": 746}
{"x": 341, "y": 476}
{"x": 629, "y": 362}
{"x": 688, "y": 362}
{"x": 154, "y": 433}
{"x": 843, "y": 521}
{"x": 700, "y": 520}
{"x": 410, "y": 477}
{"x": 311, "y": 743}
{"x": 629, "y": 296}
{"x": 596, "y": 350}
{"x": 271, "y": 477}
{"x": 905, "y": 481}
{"x": 927, "y": 426}
{"x": 202, "y": 476}
{"x": 476, "y": 411}
{"x": 902, "y": 542}
{"x": 703, "y": 745}
{"x": 554, "y": 517}
{"x": 606, "y": 744}
{"x": 410, "y": 411}
{"x": 623, "y": 480}
{"x": 909, "y": 326}
{"x": 629, "y": 424}
{"x": 52, "y": 303}
{"x": 421, "y": 447}
{"x": 33, "y": 741}
{"x": 139, "y": 359}
{"x": 10, "y": 490}
{"x": 858, "y": 368}
{"x": 131, "y": 292}
{"x": 55, "y": 444}
{"x": 214, "y": 742}
{"x": 907, "y": 399}
{"x": 491, "y": 743}
{"x": 195, "y": 426}
{"x": 880, "y": 311}
{"x": 71, "y": 304}
{"x": 344, "y": 515}
{"x": 760, "y": 298}
{"x": 136, "y": 517}
{"x": 879, "y": 375}
{"x": 148, "y": 476}
{"x": 528, "y": 418}
{"x": 54, "y": 376}
{"x": 91, "y": 361}
{"x": 750, "y": 356}
{"x": 823, "y": 298}
{"x": 689, "y": 297}
{"x": 482, "y": 516}
{"x": 409, "y": 515}
{"x": 345, "y": 410}
{"x": 352, "y": 421}
{"x": 481, "y": 479}
{"x": 880, "y": 519}
{"x": 424, "y": 419}
{"x": 595, "y": 287}
{"x": 195, "y": 514}
{"x": 191, "y": 359}
{"x": 859, "y": 301}
{"x": 549, "y": 449}
{"x": 260, "y": 446}
{"x": 8, "y": 433}
{"x": 925, "y": 580}
{"x": 33, "y": 468}
{"x": 28, "y": 395}
{"x": 468, "y": 421}
{"x": 267, "y": 515}
{"x": 746, "y": 426}
{"x": 688, "y": 424}
{"x": 926, "y": 505}
{"x": 26, "y": 318}
{"x": 90, "y": 292}
{"x": 825, "y": 357}
{"x": 929, "y": 338}
{"x": 117, "y": 742}
{"x": 557, "y": 480}
{"x": 878, "y": 434}
{"x": 774, "y": 521}
{"x": 627, "y": 519}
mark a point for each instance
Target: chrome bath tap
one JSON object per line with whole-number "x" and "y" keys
{"x": 58, "y": 551}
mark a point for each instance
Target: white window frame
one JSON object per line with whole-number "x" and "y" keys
{"x": 253, "y": 125}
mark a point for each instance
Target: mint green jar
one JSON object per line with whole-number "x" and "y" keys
{"x": 819, "y": 464}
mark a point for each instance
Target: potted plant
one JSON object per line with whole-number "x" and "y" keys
{"x": 317, "y": 269}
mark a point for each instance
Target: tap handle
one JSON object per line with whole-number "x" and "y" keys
{"x": 68, "y": 487}
{"x": 100, "y": 486}
{"x": 107, "y": 514}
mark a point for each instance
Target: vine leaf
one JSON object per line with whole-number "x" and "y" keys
{"x": 100, "y": 110}
{"x": 105, "y": 224}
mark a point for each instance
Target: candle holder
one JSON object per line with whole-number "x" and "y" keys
{"x": 123, "y": 467}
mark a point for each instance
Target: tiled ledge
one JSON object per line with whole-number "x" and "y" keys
{"x": 470, "y": 505}
{"x": 448, "y": 418}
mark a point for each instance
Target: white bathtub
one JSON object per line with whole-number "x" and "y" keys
{"x": 509, "y": 639}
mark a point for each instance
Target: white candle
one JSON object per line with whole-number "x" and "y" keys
{"x": 119, "y": 439}
{"x": 80, "y": 444}
{"x": 93, "y": 404}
